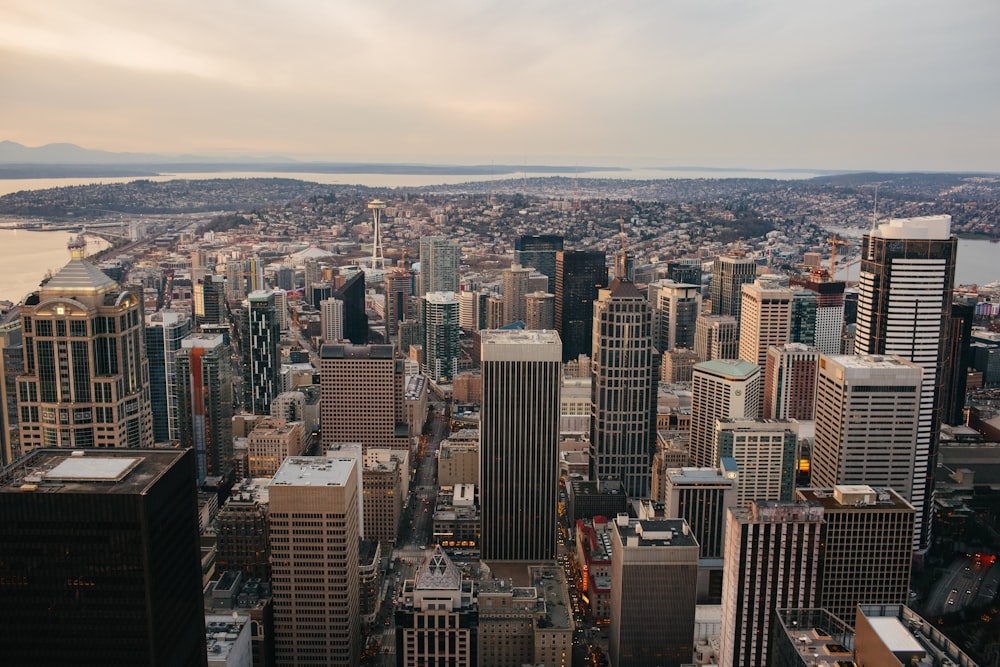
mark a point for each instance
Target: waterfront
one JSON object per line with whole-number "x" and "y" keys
{"x": 26, "y": 257}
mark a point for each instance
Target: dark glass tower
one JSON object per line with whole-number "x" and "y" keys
{"x": 164, "y": 331}
{"x": 539, "y": 252}
{"x": 205, "y": 403}
{"x": 99, "y": 559}
{"x": 580, "y": 274}
{"x": 261, "y": 357}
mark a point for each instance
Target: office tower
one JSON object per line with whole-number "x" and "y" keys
{"x": 717, "y": 337}
{"x": 284, "y": 278}
{"x": 472, "y": 310}
{"x": 790, "y": 382}
{"x": 957, "y": 360}
{"x": 540, "y": 311}
{"x": 331, "y": 318}
{"x": 720, "y": 389}
{"x": 765, "y": 320}
{"x": 622, "y": 388}
{"x": 676, "y": 307}
{"x": 519, "y": 445}
{"x": 829, "y": 312}
{"x": 867, "y": 547}
{"x": 281, "y": 308}
{"x": 100, "y": 559}
{"x": 352, "y": 293}
{"x": 904, "y": 302}
{"x": 441, "y": 336}
{"x": 539, "y": 253}
{"x": 685, "y": 271}
{"x": 771, "y": 562}
{"x": 654, "y": 569}
{"x": 729, "y": 274}
{"x": 261, "y": 356}
{"x": 243, "y": 531}
{"x": 515, "y": 288}
{"x": 361, "y": 396}
{"x": 85, "y": 365}
{"x": 867, "y": 421}
{"x": 205, "y": 403}
{"x": 383, "y": 499}
{"x": 678, "y": 366}
{"x": 764, "y": 452}
{"x": 11, "y": 366}
{"x": 437, "y": 618}
{"x": 494, "y": 312}
{"x": 701, "y": 497}
{"x": 315, "y": 573}
{"x": 317, "y": 292}
{"x": 802, "y": 328}
{"x": 439, "y": 260}
{"x": 270, "y": 442}
{"x": 164, "y": 331}
{"x": 243, "y": 277}
{"x": 411, "y": 332}
{"x": 210, "y": 301}
{"x": 398, "y": 289}
{"x": 579, "y": 276}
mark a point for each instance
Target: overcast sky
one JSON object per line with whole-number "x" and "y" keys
{"x": 854, "y": 84}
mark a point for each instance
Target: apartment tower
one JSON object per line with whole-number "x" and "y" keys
{"x": 205, "y": 403}
{"x": 261, "y": 356}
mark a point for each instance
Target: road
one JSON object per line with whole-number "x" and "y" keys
{"x": 968, "y": 581}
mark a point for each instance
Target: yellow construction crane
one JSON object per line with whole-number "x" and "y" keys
{"x": 834, "y": 242}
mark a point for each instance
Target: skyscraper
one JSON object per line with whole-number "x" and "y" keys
{"x": 261, "y": 357}
{"x": 905, "y": 289}
{"x": 829, "y": 315}
{"x": 771, "y": 562}
{"x": 515, "y": 288}
{"x": 701, "y": 497}
{"x": 438, "y": 265}
{"x": 790, "y": 382}
{"x": 764, "y": 452}
{"x": 315, "y": 573}
{"x": 164, "y": 331}
{"x": 622, "y": 419}
{"x": 676, "y": 307}
{"x": 540, "y": 311}
{"x": 765, "y": 320}
{"x": 654, "y": 570}
{"x": 398, "y": 290}
{"x": 580, "y": 275}
{"x": 331, "y": 318}
{"x": 685, "y": 271}
{"x": 867, "y": 422}
{"x": 717, "y": 337}
{"x": 957, "y": 359}
{"x": 519, "y": 446}
{"x": 441, "y": 335}
{"x": 867, "y": 547}
{"x": 99, "y": 558}
{"x": 729, "y": 274}
{"x": 539, "y": 253}
{"x": 361, "y": 396}
{"x": 720, "y": 389}
{"x": 352, "y": 293}
{"x": 210, "y": 301}
{"x": 205, "y": 403}
{"x": 85, "y": 381}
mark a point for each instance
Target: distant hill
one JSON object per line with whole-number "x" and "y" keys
{"x": 12, "y": 152}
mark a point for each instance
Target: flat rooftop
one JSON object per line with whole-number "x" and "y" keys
{"x": 878, "y": 498}
{"x": 313, "y": 471}
{"x": 658, "y": 533}
{"x": 124, "y": 471}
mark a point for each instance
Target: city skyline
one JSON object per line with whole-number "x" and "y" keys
{"x": 882, "y": 85}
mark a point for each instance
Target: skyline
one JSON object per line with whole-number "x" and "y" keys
{"x": 885, "y": 85}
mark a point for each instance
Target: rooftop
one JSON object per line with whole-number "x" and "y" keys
{"x": 79, "y": 275}
{"x": 313, "y": 471}
{"x": 854, "y": 497}
{"x": 127, "y": 471}
{"x": 735, "y": 369}
{"x": 656, "y": 533}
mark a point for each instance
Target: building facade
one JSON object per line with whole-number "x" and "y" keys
{"x": 729, "y": 274}
{"x": 790, "y": 382}
{"x": 765, "y": 320}
{"x": 261, "y": 356}
{"x": 439, "y": 258}
{"x": 205, "y": 403}
{"x": 164, "y": 332}
{"x": 720, "y": 389}
{"x": 331, "y": 320}
{"x": 676, "y": 307}
{"x": 539, "y": 253}
{"x": 579, "y": 276}
{"x": 441, "y": 336}
{"x": 717, "y": 337}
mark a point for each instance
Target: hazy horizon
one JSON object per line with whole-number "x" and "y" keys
{"x": 778, "y": 85}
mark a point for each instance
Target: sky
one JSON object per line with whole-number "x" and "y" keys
{"x": 850, "y": 84}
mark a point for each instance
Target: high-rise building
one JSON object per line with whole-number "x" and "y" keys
{"x": 271, "y": 442}
{"x": 361, "y": 396}
{"x": 164, "y": 331}
{"x": 802, "y": 328}
{"x": 685, "y": 271}
{"x": 398, "y": 290}
{"x": 720, "y": 389}
{"x": 539, "y": 253}
{"x": 678, "y": 366}
{"x": 765, "y": 320}
{"x": 331, "y": 319}
{"x": 790, "y": 382}
{"x": 352, "y": 293}
{"x": 515, "y": 288}
{"x": 210, "y": 301}
{"x": 622, "y": 430}
{"x": 441, "y": 336}
{"x": 580, "y": 275}
{"x": 261, "y": 356}
{"x": 437, "y": 618}
{"x": 540, "y": 310}
{"x": 100, "y": 559}
{"x": 315, "y": 573}
{"x": 701, "y": 497}
{"x": 494, "y": 312}
{"x": 676, "y": 307}
{"x": 472, "y": 310}
{"x": 771, "y": 562}
{"x": 729, "y": 274}
{"x": 717, "y": 337}
{"x": 86, "y": 374}
{"x": 11, "y": 366}
{"x": 904, "y": 303}
{"x": 205, "y": 403}
{"x": 867, "y": 547}
{"x": 829, "y": 313}
{"x": 654, "y": 569}
{"x": 439, "y": 259}
{"x": 519, "y": 446}
{"x": 764, "y": 452}
{"x": 867, "y": 421}
{"x": 244, "y": 532}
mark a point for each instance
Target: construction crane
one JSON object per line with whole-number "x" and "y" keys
{"x": 834, "y": 242}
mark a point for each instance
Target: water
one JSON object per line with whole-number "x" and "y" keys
{"x": 27, "y": 256}
{"x": 975, "y": 264}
